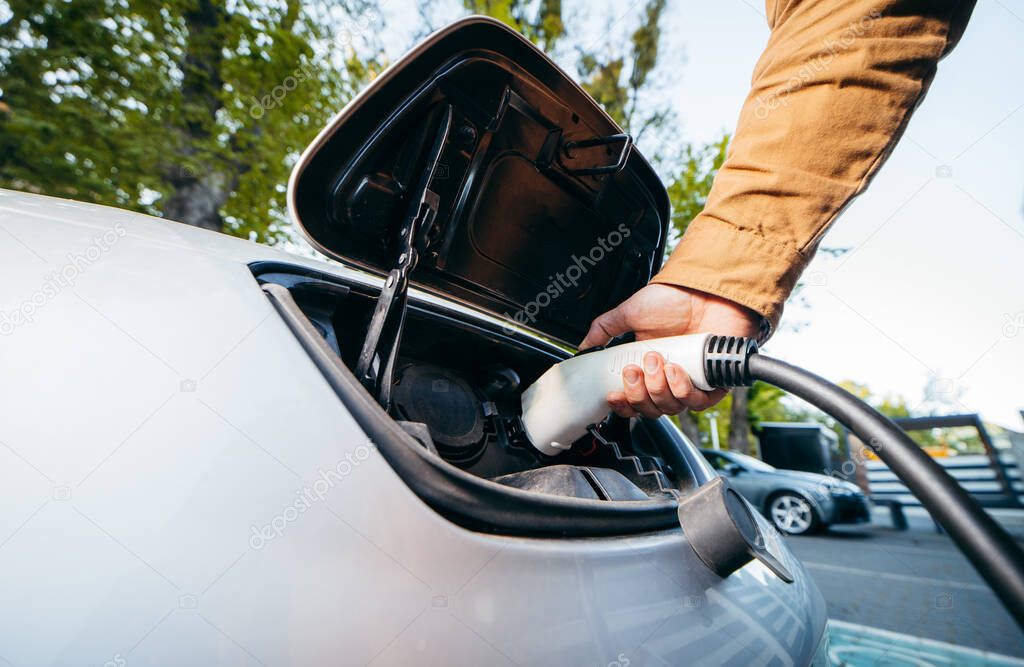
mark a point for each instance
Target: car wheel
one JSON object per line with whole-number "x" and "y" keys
{"x": 792, "y": 514}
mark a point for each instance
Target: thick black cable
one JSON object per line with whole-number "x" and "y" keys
{"x": 996, "y": 556}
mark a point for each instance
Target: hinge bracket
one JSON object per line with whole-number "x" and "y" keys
{"x": 376, "y": 363}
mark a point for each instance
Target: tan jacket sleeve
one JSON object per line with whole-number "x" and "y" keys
{"x": 830, "y": 97}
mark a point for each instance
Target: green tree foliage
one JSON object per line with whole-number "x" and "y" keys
{"x": 190, "y": 108}
{"x": 766, "y": 404}
{"x": 691, "y": 181}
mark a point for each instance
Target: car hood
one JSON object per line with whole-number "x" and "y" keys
{"x": 480, "y": 169}
{"x": 814, "y": 479}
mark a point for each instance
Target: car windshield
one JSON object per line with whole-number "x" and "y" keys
{"x": 750, "y": 462}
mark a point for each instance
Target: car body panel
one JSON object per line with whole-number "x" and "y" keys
{"x": 179, "y": 485}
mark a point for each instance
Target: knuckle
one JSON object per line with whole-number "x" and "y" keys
{"x": 633, "y": 396}
{"x": 643, "y": 404}
{"x": 636, "y": 395}
{"x": 682, "y": 391}
{"x": 659, "y": 391}
{"x": 669, "y": 406}
{"x": 656, "y": 382}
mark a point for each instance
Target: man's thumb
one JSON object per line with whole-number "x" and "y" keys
{"x": 605, "y": 327}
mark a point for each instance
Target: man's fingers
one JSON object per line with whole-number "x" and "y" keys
{"x": 690, "y": 396}
{"x": 620, "y": 405}
{"x": 636, "y": 392}
{"x": 657, "y": 385}
{"x": 659, "y": 388}
{"x": 703, "y": 400}
{"x": 606, "y": 327}
{"x": 679, "y": 383}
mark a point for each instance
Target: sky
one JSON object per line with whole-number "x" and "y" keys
{"x": 932, "y": 288}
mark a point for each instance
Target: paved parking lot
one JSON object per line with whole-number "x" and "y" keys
{"x": 913, "y": 582}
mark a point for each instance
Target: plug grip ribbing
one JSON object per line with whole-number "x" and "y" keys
{"x": 726, "y": 361}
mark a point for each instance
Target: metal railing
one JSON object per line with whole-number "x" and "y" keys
{"x": 994, "y": 478}
{"x": 974, "y": 472}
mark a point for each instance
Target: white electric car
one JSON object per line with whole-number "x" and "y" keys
{"x": 214, "y": 452}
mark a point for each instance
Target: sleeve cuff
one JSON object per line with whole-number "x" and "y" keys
{"x": 736, "y": 264}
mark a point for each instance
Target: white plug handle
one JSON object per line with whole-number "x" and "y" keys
{"x": 570, "y": 396}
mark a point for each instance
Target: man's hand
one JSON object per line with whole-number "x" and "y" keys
{"x": 657, "y": 311}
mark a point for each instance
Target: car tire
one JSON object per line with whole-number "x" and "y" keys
{"x": 792, "y": 514}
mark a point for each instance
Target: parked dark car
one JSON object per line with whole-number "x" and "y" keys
{"x": 795, "y": 502}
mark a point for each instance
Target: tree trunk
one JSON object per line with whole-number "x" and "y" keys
{"x": 197, "y": 201}
{"x": 199, "y": 190}
{"x": 739, "y": 421}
